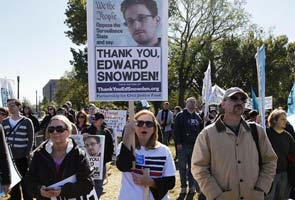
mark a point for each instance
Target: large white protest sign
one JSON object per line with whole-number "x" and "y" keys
{"x": 125, "y": 64}
{"x": 7, "y": 90}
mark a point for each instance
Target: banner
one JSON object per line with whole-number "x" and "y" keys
{"x": 94, "y": 146}
{"x": 260, "y": 63}
{"x": 127, "y": 50}
{"x": 216, "y": 95}
{"x": 267, "y": 105}
{"x": 8, "y": 91}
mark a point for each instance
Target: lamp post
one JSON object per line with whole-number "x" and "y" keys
{"x": 17, "y": 87}
{"x": 36, "y": 101}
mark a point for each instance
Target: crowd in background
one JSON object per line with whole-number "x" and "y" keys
{"x": 171, "y": 125}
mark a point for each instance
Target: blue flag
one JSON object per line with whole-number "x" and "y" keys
{"x": 260, "y": 63}
{"x": 291, "y": 101}
{"x": 255, "y": 105}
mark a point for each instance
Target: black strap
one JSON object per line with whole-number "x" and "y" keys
{"x": 256, "y": 139}
{"x": 11, "y": 130}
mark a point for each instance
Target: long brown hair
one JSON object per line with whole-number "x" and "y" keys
{"x": 151, "y": 144}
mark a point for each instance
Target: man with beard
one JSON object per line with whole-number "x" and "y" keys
{"x": 141, "y": 18}
{"x": 225, "y": 159}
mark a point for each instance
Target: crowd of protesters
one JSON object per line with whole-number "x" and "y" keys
{"x": 216, "y": 153}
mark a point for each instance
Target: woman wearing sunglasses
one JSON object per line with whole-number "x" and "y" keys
{"x": 82, "y": 122}
{"x": 149, "y": 154}
{"x": 51, "y": 111}
{"x": 55, "y": 160}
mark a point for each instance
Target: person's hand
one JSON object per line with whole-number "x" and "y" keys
{"x": 49, "y": 192}
{"x": 143, "y": 181}
{"x": 129, "y": 134}
{"x": 6, "y": 188}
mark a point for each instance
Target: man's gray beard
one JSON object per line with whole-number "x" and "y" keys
{"x": 238, "y": 109}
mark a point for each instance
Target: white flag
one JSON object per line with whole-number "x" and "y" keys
{"x": 206, "y": 90}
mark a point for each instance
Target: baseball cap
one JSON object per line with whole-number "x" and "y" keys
{"x": 234, "y": 90}
{"x": 143, "y": 104}
{"x": 98, "y": 115}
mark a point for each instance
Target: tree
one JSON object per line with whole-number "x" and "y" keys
{"x": 204, "y": 22}
{"x": 76, "y": 21}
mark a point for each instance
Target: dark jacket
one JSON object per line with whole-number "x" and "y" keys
{"x": 108, "y": 146}
{"x": 4, "y": 165}
{"x": 45, "y": 122}
{"x": 35, "y": 122}
{"x": 187, "y": 127}
{"x": 42, "y": 171}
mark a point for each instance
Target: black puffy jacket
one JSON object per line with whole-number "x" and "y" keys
{"x": 4, "y": 165}
{"x": 42, "y": 171}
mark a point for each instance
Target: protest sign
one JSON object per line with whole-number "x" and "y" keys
{"x": 125, "y": 64}
{"x": 115, "y": 120}
{"x": 94, "y": 146}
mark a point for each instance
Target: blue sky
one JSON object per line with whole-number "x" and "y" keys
{"x": 34, "y": 46}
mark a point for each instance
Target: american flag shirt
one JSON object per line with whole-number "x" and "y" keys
{"x": 160, "y": 163}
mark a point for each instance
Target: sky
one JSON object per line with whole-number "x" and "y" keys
{"x": 34, "y": 47}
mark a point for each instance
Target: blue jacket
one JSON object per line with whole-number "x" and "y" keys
{"x": 187, "y": 127}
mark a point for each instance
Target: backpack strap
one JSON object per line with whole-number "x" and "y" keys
{"x": 16, "y": 126}
{"x": 256, "y": 139}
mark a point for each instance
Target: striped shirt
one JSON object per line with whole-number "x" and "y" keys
{"x": 22, "y": 137}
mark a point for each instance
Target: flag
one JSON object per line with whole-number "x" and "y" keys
{"x": 291, "y": 101}
{"x": 260, "y": 63}
{"x": 207, "y": 88}
{"x": 7, "y": 91}
{"x": 255, "y": 105}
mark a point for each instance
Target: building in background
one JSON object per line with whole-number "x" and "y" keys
{"x": 50, "y": 89}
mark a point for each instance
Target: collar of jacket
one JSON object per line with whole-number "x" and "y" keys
{"x": 70, "y": 146}
{"x": 220, "y": 126}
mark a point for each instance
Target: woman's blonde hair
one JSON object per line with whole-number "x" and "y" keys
{"x": 62, "y": 118}
{"x": 151, "y": 144}
{"x": 274, "y": 116}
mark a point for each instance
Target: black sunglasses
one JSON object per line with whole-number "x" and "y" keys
{"x": 148, "y": 124}
{"x": 236, "y": 98}
{"x": 59, "y": 129}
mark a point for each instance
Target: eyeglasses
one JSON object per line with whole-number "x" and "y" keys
{"x": 2, "y": 113}
{"x": 141, "y": 18}
{"x": 148, "y": 124}
{"x": 58, "y": 129}
{"x": 236, "y": 98}
{"x": 50, "y": 108}
{"x": 11, "y": 104}
{"x": 90, "y": 144}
